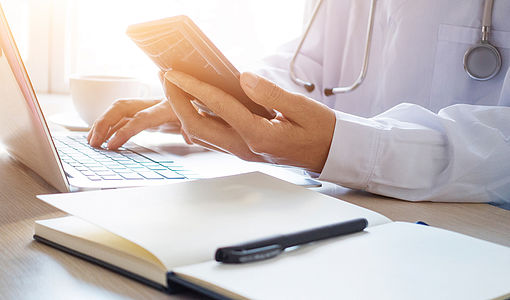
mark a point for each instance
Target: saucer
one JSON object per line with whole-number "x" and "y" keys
{"x": 70, "y": 120}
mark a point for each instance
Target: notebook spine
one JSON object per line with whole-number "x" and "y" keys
{"x": 108, "y": 266}
{"x": 176, "y": 282}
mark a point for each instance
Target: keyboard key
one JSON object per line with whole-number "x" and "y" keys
{"x": 151, "y": 175}
{"x": 111, "y": 177}
{"x": 135, "y": 166}
{"x": 115, "y": 166}
{"x": 113, "y": 155}
{"x": 138, "y": 158}
{"x": 88, "y": 173}
{"x": 187, "y": 173}
{"x": 131, "y": 175}
{"x": 174, "y": 167}
{"x": 90, "y": 163}
{"x": 170, "y": 174}
{"x": 98, "y": 168}
{"x": 104, "y": 160}
{"x": 138, "y": 170}
{"x": 94, "y": 178}
{"x": 121, "y": 159}
{"x": 156, "y": 168}
{"x": 105, "y": 172}
{"x": 128, "y": 163}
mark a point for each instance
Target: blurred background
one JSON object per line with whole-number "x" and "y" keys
{"x": 58, "y": 38}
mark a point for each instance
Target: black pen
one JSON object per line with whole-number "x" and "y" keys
{"x": 271, "y": 247}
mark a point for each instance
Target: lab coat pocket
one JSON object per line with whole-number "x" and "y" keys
{"x": 450, "y": 83}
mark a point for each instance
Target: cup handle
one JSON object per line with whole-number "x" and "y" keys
{"x": 146, "y": 90}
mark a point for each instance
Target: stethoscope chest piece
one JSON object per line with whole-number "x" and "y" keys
{"x": 482, "y": 61}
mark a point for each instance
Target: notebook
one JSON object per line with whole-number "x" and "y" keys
{"x": 166, "y": 237}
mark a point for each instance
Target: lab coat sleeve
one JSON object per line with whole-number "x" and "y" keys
{"x": 461, "y": 154}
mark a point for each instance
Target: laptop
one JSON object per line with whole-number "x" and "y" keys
{"x": 64, "y": 159}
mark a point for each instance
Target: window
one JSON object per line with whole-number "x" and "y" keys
{"x": 30, "y": 24}
{"x": 88, "y": 36}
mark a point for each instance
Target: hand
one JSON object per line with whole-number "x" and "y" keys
{"x": 300, "y": 134}
{"x": 127, "y": 117}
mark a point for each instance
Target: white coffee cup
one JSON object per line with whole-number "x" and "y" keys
{"x": 93, "y": 94}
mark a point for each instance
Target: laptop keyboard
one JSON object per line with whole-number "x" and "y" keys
{"x": 99, "y": 164}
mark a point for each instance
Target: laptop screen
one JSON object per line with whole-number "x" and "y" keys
{"x": 23, "y": 129}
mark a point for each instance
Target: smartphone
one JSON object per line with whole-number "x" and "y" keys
{"x": 177, "y": 43}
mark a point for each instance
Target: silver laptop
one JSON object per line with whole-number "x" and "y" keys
{"x": 65, "y": 160}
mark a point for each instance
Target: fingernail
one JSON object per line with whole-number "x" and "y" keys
{"x": 250, "y": 80}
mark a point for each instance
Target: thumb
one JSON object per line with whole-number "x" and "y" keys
{"x": 271, "y": 96}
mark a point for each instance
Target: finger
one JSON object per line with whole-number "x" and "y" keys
{"x": 89, "y": 135}
{"x": 164, "y": 118}
{"x": 171, "y": 127}
{"x": 294, "y": 107}
{"x": 190, "y": 141}
{"x": 181, "y": 105}
{"x": 206, "y": 145}
{"x": 147, "y": 118}
{"x": 99, "y": 131}
{"x": 116, "y": 127}
{"x": 130, "y": 129}
{"x": 201, "y": 129}
{"x": 186, "y": 138}
{"x": 220, "y": 102}
{"x": 161, "y": 76}
{"x": 118, "y": 110}
{"x": 238, "y": 149}
{"x": 168, "y": 111}
{"x": 194, "y": 122}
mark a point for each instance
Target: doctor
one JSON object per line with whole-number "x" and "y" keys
{"x": 414, "y": 114}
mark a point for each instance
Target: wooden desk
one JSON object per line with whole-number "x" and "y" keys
{"x": 30, "y": 270}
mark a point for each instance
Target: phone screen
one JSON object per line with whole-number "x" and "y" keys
{"x": 177, "y": 43}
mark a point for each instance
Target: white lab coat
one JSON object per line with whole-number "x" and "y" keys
{"x": 418, "y": 128}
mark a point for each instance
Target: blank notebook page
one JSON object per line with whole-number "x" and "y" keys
{"x": 390, "y": 261}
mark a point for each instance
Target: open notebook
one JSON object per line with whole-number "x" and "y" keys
{"x": 166, "y": 236}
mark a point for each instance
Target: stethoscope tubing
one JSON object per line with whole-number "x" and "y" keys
{"x": 363, "y": 72}
{"x": 484, "y": 43}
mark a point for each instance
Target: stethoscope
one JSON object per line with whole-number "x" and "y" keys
{"x": 482, "y": 61}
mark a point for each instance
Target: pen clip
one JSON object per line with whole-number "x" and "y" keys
{"x": 232, "y": 256}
